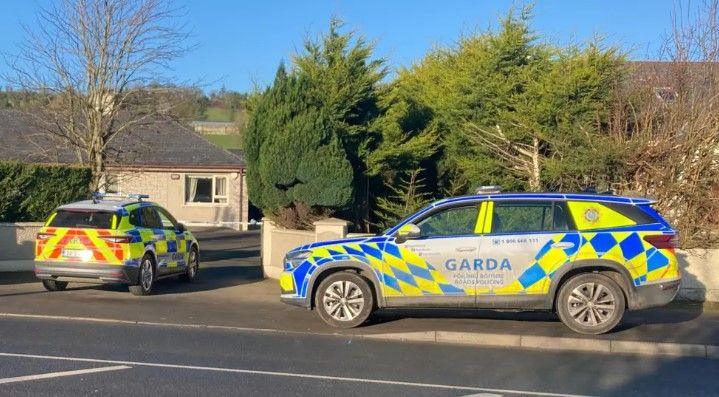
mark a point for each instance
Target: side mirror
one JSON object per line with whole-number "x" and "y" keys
{"x": 407, "y": 232}
{"x": 181, "y": 227}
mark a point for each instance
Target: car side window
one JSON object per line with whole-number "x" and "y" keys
{"x": 450, "y": 222}
{"x": 135, "y": 217}
{"x": 521, "y": 217}
{"x": 150, "y": 219}
{"x": 561, "y": 217}
{"x": 167, "y": 220}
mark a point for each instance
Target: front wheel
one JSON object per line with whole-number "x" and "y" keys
{"x": 52, "y": 285}
{"x": 146, "y": 278}
{"x": 344, "y": 300}
{"x": 591, "y": 304}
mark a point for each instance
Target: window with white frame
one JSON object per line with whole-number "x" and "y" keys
{"x": 206, "y": 189}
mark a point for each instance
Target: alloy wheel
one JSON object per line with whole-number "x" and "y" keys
{"x": 193, "y": 265}
{"x": 146, "y": 275}
{"x": 591, "y": 304}
{"x": 343, "y": 300}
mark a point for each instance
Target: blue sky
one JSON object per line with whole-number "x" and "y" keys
{"x": 241, "y": 42}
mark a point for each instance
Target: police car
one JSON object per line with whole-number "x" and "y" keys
{"x": 587, "y": 257}
{"x": 114, "y": 239}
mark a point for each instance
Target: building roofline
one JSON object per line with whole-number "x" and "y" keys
{"x": 178, "y": 168}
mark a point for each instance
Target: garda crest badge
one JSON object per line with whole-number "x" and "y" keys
{"x": 591, "y": 215}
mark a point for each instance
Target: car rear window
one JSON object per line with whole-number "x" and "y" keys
{"x": 591, "y": 215}
{"x": 82, "y": 219}
{"x": 632, "y": 212}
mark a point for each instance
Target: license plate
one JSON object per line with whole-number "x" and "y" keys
{"x": 82, "y": 254}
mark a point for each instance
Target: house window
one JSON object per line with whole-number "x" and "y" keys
{"x": 206, "y": 189}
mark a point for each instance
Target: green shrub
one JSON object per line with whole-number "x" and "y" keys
{"x": 31, "y": 191}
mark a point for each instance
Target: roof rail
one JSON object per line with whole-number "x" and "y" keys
{"x": 97, "y": 196}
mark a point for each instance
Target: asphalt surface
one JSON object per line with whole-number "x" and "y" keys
{"x": 150, "y": 360}
{"x": 44, "y": 356}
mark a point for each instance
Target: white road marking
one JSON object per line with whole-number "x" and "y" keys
{"x": 61, "y": 374}
{"x": 292, "y": 375}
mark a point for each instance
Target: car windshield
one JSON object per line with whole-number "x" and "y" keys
{"x": 82, "y": 219}
{"x": 386, "y": 231}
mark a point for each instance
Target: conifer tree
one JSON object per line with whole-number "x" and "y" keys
{"x": 297, "y": 169}
{"x": 513, "y": 111}
{"x": 344, "y": 80}
{"x": 404, "y": 199}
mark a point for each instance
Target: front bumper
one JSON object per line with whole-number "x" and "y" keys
{"x": 86, "y": 272}
{"x": 654, "y": 295}
{"x": 289, "y": 291}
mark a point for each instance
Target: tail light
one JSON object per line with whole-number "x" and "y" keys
{"x": 663, "y": 241}
{"x": 44, "y": 235}
{"x": 117, "y": 239}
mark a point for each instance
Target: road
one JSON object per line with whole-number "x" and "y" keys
{"x": 51, "y": 357}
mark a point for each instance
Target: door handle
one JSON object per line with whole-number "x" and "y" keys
{"x": 466, "y": 249}
{"x": 563, "y": 245}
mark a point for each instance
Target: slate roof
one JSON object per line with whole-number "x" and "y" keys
{"x": 161, "y": 144}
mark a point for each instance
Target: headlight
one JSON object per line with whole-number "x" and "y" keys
{"x": 294, "y": 259}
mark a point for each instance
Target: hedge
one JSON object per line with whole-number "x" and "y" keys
{"x": 29, "y": 192}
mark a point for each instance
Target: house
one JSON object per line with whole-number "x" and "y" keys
{"x": 198, "y": 182}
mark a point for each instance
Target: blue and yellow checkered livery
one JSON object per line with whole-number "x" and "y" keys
{"x": 601, "y": 233}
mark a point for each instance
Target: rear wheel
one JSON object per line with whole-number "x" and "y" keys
{"x": 146, "y": 277}
{"x": 591, "y": 303}
{"x": 52, "y": 285}
{"x": 344, "y": 300}
{"x": 193, "y": 267}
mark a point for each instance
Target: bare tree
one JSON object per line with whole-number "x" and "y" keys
{"x": 94, "y": 62}
{"x": 672, "y": 131}
{"x": 521, "y": 159}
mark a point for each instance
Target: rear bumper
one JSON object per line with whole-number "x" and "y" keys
{"x": 84, "y": 272}
{"x": 654, "y": 295}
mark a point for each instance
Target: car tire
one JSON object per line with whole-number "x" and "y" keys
{"x": 590, "y": 304}
{"x": 145, "y": 277}
{"x": 52, "y": 285}
{"x": 344, "y": 300}
{"x": 193, "y": 267}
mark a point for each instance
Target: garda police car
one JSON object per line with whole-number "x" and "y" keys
{"x": 588, "y": 257}
{"x": 114, "y": 239}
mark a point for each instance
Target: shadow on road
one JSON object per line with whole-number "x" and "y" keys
{"x": 211, "y": 278}
{"x": 662, "y": 320}
{"x": 389, "y": 315}
{"x": 10, "y": 278}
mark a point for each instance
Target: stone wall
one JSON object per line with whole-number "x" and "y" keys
{"x": 276, "y": 241}
{"x": 17, "y": 245}
{"x": 700, "y": 275}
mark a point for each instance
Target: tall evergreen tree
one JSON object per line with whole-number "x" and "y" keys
{"x": 344, "y": 79}
{"x": 517, "y": 112}
{"x": 297, "y": 168}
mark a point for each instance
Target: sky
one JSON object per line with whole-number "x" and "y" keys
{"x": 239, "y": 43}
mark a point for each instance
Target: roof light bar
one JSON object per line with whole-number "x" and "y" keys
{"x": 118, "y": 196}
{"x": 491, "y": 189}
